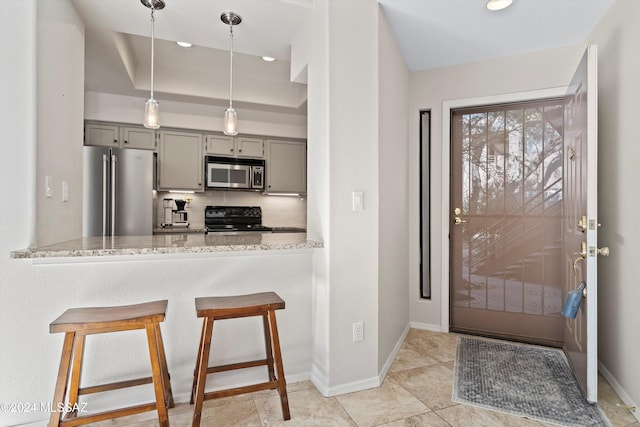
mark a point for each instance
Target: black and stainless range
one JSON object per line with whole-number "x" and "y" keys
{"x": 232, "y": 219}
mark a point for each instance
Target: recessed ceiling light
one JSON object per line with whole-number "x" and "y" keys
{"x": 498, "y": 4}
{"x": 184, "y": 44}
{"x": 268, "y": 58}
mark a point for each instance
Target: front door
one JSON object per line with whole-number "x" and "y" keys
{"x": 506, "y": 220}
{"x": 580, "y": 224}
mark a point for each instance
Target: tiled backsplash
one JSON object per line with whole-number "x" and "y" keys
{"x": 277, "y": 211}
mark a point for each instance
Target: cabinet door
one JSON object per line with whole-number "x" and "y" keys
{"x": 135, "y": 137}
{"x": 250, "y": 147}
{"x": 181, "y": 161}
{"x": 286, "y": 166}
{"x": 219, "y": 145}
{"x": 104, "y": 135}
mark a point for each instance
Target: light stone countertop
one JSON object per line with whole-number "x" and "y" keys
{"x": 170, "y": 244}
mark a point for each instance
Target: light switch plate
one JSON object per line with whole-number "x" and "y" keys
{"x": 358, "y": 201}
{"x": 65, "y": 191}
{"x": 48, "y": 182}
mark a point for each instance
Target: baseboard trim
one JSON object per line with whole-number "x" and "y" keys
{"x": 615, "y": 385}
{"x": 426, "y": 327}
{"x": 387, "y": 364}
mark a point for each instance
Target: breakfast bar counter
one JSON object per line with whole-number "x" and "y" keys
{"x": 173, "y": 243}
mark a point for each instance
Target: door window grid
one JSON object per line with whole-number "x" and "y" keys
{"x": 512, "y": 175}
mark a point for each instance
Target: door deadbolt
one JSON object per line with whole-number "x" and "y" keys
{"x": 457, "y": 211}
{"x": 582, "y": 224}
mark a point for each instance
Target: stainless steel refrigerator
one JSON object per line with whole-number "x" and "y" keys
{"x": 117, "y": 192}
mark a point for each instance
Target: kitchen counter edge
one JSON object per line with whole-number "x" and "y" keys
{"x": 168, "y": 244}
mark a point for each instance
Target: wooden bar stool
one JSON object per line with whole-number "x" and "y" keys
{"x": 231, "y": 307}
{"x": 77, "y": 323}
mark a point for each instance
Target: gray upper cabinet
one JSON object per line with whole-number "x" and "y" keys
{"x": 250, "y": 147}
{"x": 286, "y": 163}
{"x": 138, "y": 137}
{"x": 113, "y": 135}
{"x": 222, "y": 145}
{"x": 180, "y": 161}
{"x": 103, "y": 135}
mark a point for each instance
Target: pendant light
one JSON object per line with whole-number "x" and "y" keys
{"x": 230, "y": 126}
{"x": 151, "y": 107}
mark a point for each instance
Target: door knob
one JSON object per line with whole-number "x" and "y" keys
{"x": 457, "y": 220}
{"x": 604, "y": 251}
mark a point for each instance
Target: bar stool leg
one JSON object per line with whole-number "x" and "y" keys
{"x": 163, "y": 418}
{"x": 166, "y": 381}
{"x": 63, "y": 376}
{"x": 195, "y": 370}
{"x": 76, "y": 371}
{"x": 269, "y": 349}
{"x": 201, "y": 369}
{"x": 282, "y": 385}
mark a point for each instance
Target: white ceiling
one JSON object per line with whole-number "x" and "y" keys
{"x": 438, "y": 33}
{"x": 430, "y": 33}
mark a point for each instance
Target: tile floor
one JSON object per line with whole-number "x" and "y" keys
{"x": 416, "y": 392}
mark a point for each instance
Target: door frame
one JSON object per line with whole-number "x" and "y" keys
{"x": 447, "y": 106}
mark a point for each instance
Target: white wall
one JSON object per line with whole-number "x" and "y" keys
{"x": 393, "y": 182}
{"x": 617, "y": 37}
{"x": 129, "y": 109}
{"x": 353, "y": 159}
{"x": 318, "y": 202}
{"x": 343, "y": 84}
{"x": 60, "y": 93}
{"x": 427, "y": 91}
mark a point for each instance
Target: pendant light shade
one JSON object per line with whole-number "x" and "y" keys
{"x": 152, "y": 107}
{"x": 230, "y": 122}
{"x": 230, "y": 126}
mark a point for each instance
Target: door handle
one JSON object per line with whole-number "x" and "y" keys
{"x": 457, "y": 220}
{"x": 604, "y": 251}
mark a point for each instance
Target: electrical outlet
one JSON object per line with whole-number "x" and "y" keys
{"x": 358, "y": 331}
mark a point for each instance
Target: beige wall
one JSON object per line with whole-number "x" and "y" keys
{"x": 617, "y": 37}
{"x": 393, "y": 205}
{"x": 427, "y": 91}
{"x": 60, "y": 94}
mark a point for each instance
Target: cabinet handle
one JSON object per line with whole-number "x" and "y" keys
{"x": 126, "y": 142}
{"x": 115, "y": 141}
{"x": 232, "y": 150}
{"x": 240, "y": 150}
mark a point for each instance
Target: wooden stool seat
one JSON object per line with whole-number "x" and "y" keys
{"x": 230, "y": 307}
{"x": 77, "y": 323}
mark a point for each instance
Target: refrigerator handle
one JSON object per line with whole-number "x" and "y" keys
{"x": 114, "y": 160}
{"x": 105, "y": 206}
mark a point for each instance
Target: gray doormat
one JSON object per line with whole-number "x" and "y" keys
{"x": 523, "y": 380}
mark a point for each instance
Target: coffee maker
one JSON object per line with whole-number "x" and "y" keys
{"x": 180, "y": 215}
{"x": 175, "y": 217}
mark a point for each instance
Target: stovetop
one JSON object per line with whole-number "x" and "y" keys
{"x": 233, "y": 219}
{"x": 240, "y": 219}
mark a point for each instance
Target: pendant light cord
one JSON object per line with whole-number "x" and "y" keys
{"x": 231, "y": 68}
{"x": 152, "y": 48}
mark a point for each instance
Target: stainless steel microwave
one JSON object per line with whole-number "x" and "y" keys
{"x": 232, "y": 173}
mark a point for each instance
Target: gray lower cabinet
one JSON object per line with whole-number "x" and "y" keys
{"x": 180, "y": 161}
{"x": 286, "y": 163}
